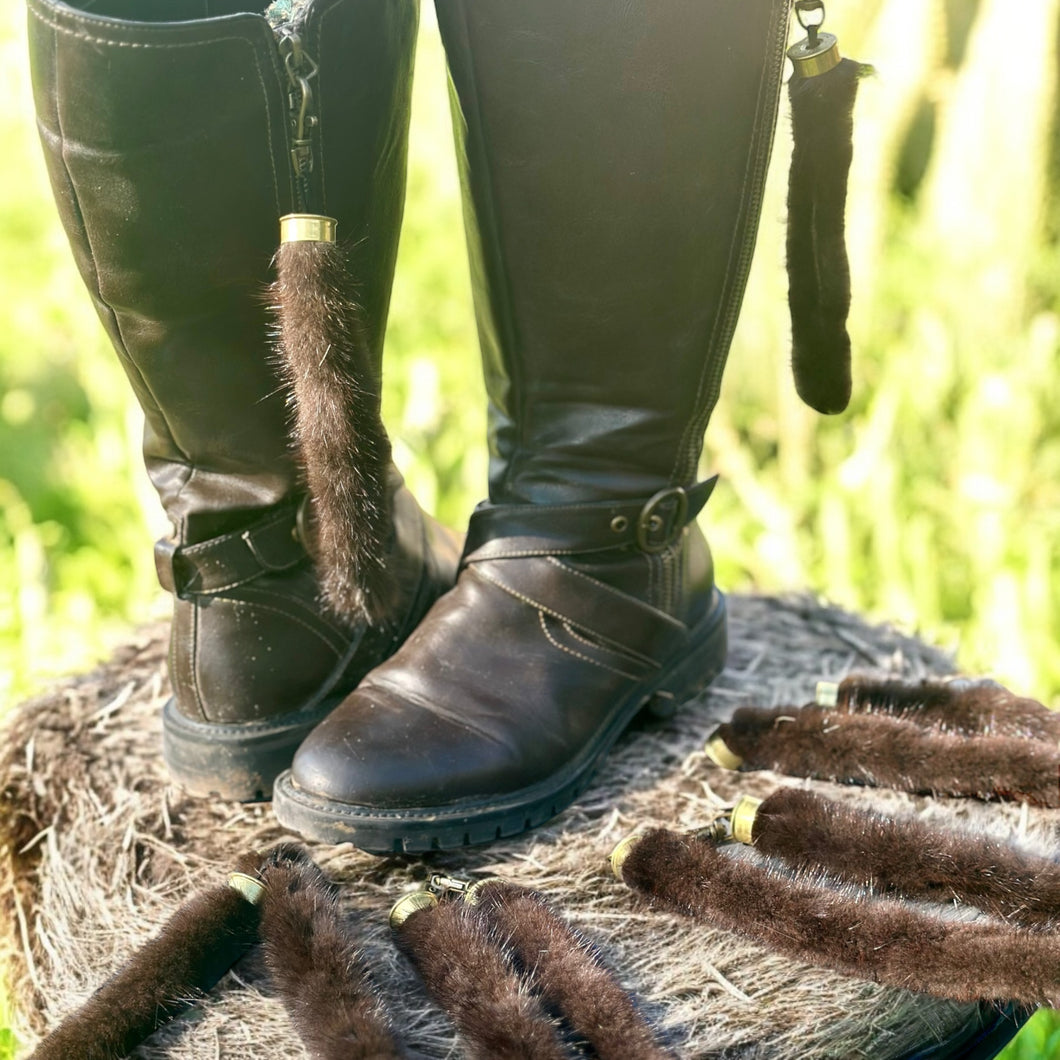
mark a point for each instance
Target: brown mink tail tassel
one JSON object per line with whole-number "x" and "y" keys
{"x": 878, "y": 939}
{"x": 465, "y": 967}
{"x": 880, "y": 751}
{"x": 904, "y": 855}
{"x": 335, "y": 392}
{"x": 966, "y": 705}
{"x": 822, "y": 91}
{"x": 565, "y": 968}
{"x": 195, "y": 948}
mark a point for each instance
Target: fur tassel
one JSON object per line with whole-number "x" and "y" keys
{"x": 822, "y": 110}
{"x": 908, "y": 857}
{"x": 196, "y": 947}
{"x": 335, "y": 393}
{"x": 567, "y": 970}
{"x": 465, "y": 969}
{"x": 973, "y": 707}
{"x": 315, "y": 965}
{"x": 884, "y": 752}
{"x": 881, "y": 940}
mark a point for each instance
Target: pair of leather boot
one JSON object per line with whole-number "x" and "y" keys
{"x": 613, "y": 159}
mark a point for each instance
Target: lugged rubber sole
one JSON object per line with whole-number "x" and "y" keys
{"x": 474, "y": 821}
{"x": 234, "y": 761}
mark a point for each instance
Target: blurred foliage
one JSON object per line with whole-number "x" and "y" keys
{"x": 932, "y": 502}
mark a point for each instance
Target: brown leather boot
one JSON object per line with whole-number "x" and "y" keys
{"x": 168, "y": 141}
{"x": 614, "y": 158}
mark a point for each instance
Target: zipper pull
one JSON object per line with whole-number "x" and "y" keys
{"x": 300, "y": 69}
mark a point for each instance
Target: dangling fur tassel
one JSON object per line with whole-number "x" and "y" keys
{"x": 316, "y": 966}
{"x": 884, "y": 752}
{"x": 961, "y": 705}
{"x": 196, "y": 947}
{"x": 335, "y": 393}
{"x": 876, "y": 939}
{"x": 822, "y": 109}
{"x": 569, "y": 973}
{"x": 465, "y": 969}
{"x": 906, "y": 856}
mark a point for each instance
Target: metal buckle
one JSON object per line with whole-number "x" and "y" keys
{"x": 651, "y": 522}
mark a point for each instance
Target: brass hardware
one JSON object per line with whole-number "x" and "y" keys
{"x": 818, "y": 52}
{"x": 650, "y": 522}
{"x": 408, "y": 904}
{"x": 827, "y": 694}
{"x": 471, "y": 895}
{"x": 251, "y": 889}
{"x": 620, "y": 524}
{"x": 718, "y": 752}
{"x": 621, "y": 852}
{"x": 742, "y": 819}
{"x": 307, "y": 228}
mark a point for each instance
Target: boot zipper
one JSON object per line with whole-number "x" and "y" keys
{"x": 301, "y": 69}
{"x": 686, "y": 464}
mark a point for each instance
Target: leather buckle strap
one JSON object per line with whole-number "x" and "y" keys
{"x": 273, "y": 543}
{"x": 651, "y": 525}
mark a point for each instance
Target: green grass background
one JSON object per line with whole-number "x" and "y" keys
{"x": 932, "y": 502}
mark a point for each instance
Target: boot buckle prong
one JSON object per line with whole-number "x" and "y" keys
{"x": 662, "y": 519}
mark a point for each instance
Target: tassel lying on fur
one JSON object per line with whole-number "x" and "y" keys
{"x": 195, "y": 948}
{"x": 569, "y": 974}
{"x": 906, "y": 856}
{"x": 822, "y": 121}
{"x": 465, "y": 970}
{"x": 316, "y": 966}
{"x": 335, "y": 393}
{"x": 884, "y": 752}
{"x": 877, "y": 939}
{"x": 962, "y": 705}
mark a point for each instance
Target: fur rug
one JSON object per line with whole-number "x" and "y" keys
{"x": 98, "y": 849}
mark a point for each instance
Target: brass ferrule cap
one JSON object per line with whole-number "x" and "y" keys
{"x": 250, "y": 888}
{"x": 621, "y": 852}
{"x": 718, "y": 752}
{"x": 742, "y": 820}
{"x": 308, "y": 228}
{"x": 408, "y": 904}
{"x": 471, "y": 895}
{"x": 812, "y": 62}
{"x": 827, "y": 694}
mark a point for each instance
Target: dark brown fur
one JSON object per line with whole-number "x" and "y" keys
{"x": 466, "y": 970}
{"x": 907, "y": 856}
{"x": 335, "y": 394}
{"x": 822, "y": 122}
{"x": 877, "y": 939}
{"x": 198, "y": 944}
{"x": 316, "y": 966}
{"x": 972, "y": 707}
{"x": 884, "y": 752}
{"x": 567, "y": 970}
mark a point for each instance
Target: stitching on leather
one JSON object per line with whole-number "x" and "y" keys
{"x": 537, "y": 606}
{"x": 577, "y": 654}
{"x": 634, "y": 655}
{"x": 625, "y": 597}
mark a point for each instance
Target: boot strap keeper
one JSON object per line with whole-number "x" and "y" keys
{"x": 651, "y": 525}
{"x": 271, "y": 544}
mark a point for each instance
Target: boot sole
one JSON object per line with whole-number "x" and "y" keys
{"x": 473, "y": 822}
{"x": 234, "y": 761}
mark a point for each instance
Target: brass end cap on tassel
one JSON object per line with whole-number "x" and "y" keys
{"x": 717, "y": 750}
{"x": 813, "y": 58}
{"x": 251, "y": 889}
{"x": 308, "y": 228}
{"x": 473, "y": 893}
{"x": 826, "y": 694}
{"x": 408, "y": 904}
{"x": 742, "y": 819}
{"x": 621, "y": 852}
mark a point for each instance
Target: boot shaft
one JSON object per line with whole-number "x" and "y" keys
{"x": 614, "y": 159}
